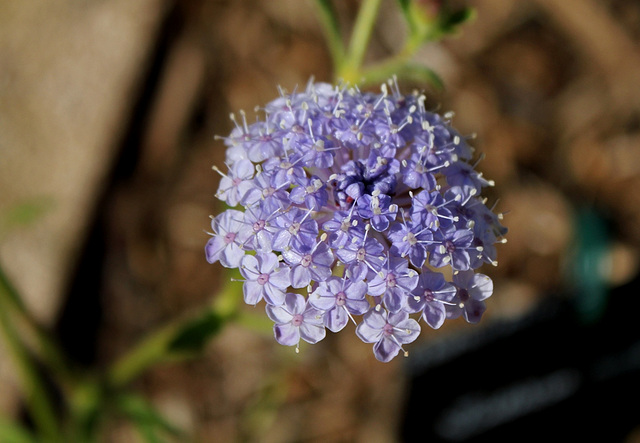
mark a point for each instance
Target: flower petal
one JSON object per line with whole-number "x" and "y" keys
{"x": 278, "y": 314}
{"x": 482, "y": 287}
{"x": 272, "y": 294}
{"x": 268, "y": 262}
{"x": 253, "y": 292}
{"x": 295, "y": 303}
{"x": 357, "y": 290}
{"x": 473, "y": 310}
{"x": 434, "y": 314}
{"x": 249, "y": 267}
{"x": 287, "y": 334}
{"x": 385, "y": 349}
{"x": 214, "y": 248}
{"x": 312, "y": 333}
{"x": 300, "y": 276}
{"x": 231, "y": 256}
{"x": 407, "y": 331}
{"x": 336, "y": 319}
{"x": 280, "y": 277}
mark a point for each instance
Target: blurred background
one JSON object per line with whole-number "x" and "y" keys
{"x": 108, "y": 111}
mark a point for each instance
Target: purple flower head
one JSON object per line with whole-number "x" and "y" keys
{"x": 332, "y": 181}
{"x": 388, "y": 331}
{"x": 295, "y": 319}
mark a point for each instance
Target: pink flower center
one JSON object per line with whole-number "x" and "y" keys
{"x": 387, "y": 330}
{"x": 268, "y": 192}
{"x": 294, "y": 228}
{"x": 306, "y": 261}
{"x": 449, "y": 246}
{"x": 341, "y": 298}
{"x": 259, "y": 225}
{"x": 263, "y": 279}
{"x": 230, "y": 237}
{"x": 391, "y": 281}
{"x": 428, "y": 295}
{"x": 297, "y": 320}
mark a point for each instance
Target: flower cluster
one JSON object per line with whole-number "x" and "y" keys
{"x": 352, "y": 203}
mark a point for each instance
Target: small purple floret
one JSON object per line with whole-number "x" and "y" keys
{"x": 295, "y": 319}
{"x": 388, "y": 331}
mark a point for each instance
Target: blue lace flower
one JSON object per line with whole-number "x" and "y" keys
{"x": 295, "y": 319}
{"x": 356, "y": 199}
{"x": 388, "y": 331}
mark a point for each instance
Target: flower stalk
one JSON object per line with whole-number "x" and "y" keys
{"x": 177, "y": 340}
{"x": 350, "y": 70}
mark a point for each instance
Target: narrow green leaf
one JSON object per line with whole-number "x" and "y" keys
{"x": 404, "y": 4}
{"x": 195, "y": 334}
{"x": 451, "y": 21}
{"x": 422, "y": 73}
{"x": 11, "y": 432}
{"x": 405, "y": 8}
{"x": 25, "y": 213}
{"x": 146, "y": 417}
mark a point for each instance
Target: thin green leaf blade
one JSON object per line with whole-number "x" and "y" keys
{"x": 11, "y": 432}
{"x": 195, "y": 334}
{"x": 450, "y": 22}
{"x": 146, "y": 417}
{"x": 25, "y": 213}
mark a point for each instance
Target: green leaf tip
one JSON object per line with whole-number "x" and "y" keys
{"x": 195, "y": 334}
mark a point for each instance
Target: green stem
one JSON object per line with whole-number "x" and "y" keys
{"x": 160, "y": 345}
{"x": 362, "y": 30}
{"x": 35, "y": 392}
{"x": 331, "y": 28}
{"x": 149, "y": 351}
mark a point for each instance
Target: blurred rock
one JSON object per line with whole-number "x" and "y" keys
{"x": 69, "y": 74}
